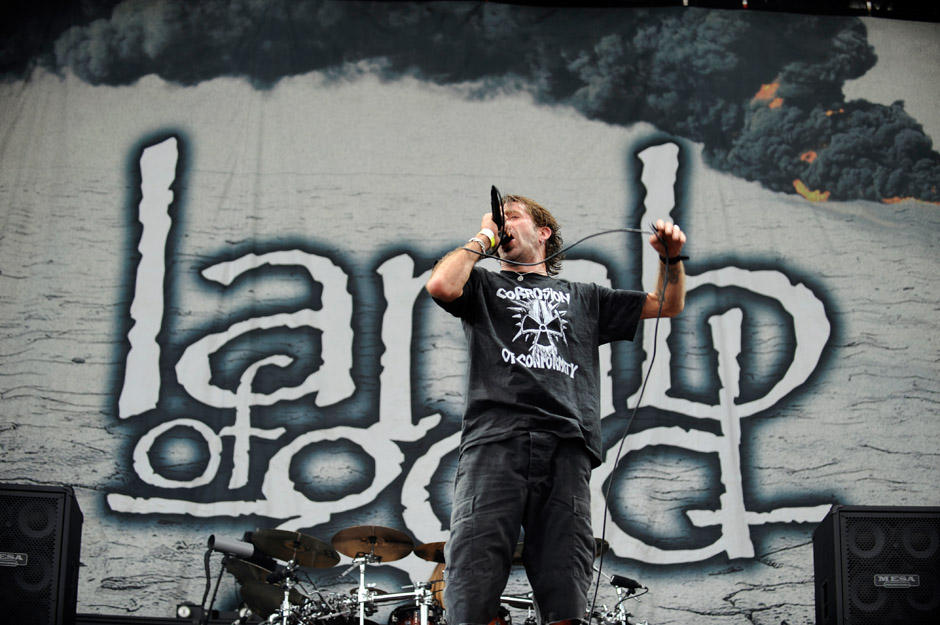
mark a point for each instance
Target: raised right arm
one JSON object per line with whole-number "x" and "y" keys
{"x": 451, "y": 273}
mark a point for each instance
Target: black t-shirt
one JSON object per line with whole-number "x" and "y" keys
{"x": 533, "y": 353}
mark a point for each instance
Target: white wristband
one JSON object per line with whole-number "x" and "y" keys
{"x": 489, "y": 235}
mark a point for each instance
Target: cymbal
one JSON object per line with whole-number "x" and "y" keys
{"x": 302, "y": 549}
{"x": 432, "y": 552}
{"x": 388, "y": 544}
{"x": 265, "y": 599}
{"x": 246, "y": 571}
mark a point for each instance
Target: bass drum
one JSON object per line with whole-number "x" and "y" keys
{"x": 411, "y": 615}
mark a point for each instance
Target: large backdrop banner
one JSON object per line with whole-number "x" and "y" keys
{"x": 218, "y": 219}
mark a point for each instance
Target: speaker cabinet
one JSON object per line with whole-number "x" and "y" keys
{"x": 40, "y": 545}
{"x": 877, "y": 566}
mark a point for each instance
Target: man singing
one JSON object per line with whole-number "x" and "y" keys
{"x": 531, "y": 429}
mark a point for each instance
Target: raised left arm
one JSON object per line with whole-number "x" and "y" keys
{"x": 674, "y": 301}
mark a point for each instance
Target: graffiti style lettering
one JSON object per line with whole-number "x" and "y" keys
{"x": 145, "y": 471}
{"x": 280, "y": 498}
{"x": 812, "y": 331}
{"x": 331, "y": 382}
{"x": 141, "y": 388}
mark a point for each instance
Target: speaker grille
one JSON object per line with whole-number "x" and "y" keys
{"x": 892, "y": 568}
{"x": 38, "y": 579}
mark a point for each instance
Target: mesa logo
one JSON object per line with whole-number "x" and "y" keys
{"x": 13, "y": 559}
{"x": 897, "y": 581}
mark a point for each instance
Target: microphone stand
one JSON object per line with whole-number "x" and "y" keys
{"x": 625, "y": 587}
{"x": 218, "y": 581}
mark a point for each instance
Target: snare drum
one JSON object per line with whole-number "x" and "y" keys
{"x": 411, "y": 615}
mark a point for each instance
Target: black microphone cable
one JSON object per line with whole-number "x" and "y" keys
{"x": 626, "y": 428}
{"x": 565, "y": 249}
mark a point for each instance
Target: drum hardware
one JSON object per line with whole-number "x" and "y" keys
{"x": 289, "y": 581}
{"x": 517, "y": 602}
{"x": 377, "y": 592}
{"x": 278, "y": 597}
{"x": 413, "y": 615}
{"x": 275, "y": 595}
{"x": 428, "y": 613}
{"x": 266, "y": 600}
{"x": 626, "y": 589}
{"x": 370, "y": 544}
{"x": 363, "y": 596}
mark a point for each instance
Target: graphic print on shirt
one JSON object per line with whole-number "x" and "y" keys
{"x": 541, "y": 327}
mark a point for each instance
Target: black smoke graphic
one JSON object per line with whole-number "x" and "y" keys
{"x": 762, "y": 92}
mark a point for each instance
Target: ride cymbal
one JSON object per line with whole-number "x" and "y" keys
{"x": 302, "y": 549}
{"x": 384, "y": 542}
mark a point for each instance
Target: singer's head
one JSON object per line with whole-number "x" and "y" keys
{"x": 543, "y": 221}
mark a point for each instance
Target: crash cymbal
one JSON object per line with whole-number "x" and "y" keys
{"x": 432, "y": 552}
{"x": 246, "y": 571}
{"x": 302, "y": 549}
{"x": 388, "y": 544}
{"x": 265, "y": 599}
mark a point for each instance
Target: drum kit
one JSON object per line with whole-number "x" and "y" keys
{"x": 281, "y": 598}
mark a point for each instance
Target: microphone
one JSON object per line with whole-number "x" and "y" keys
{"x": 278, "y": 576}
{"x": 232, "y": 547}
{"x": 625, "y": 582}
{"x": 499, "y": 218}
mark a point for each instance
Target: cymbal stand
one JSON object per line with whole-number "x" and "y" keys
{"x": 289, "y": 581}
{"x": 362, "y": 595}
{"x": 424, "y": 598}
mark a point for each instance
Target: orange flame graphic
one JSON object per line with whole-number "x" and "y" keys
{"x": 812, "y": 196}
{"x": 898, "y": 200}
{"x": 767, "y": 92}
